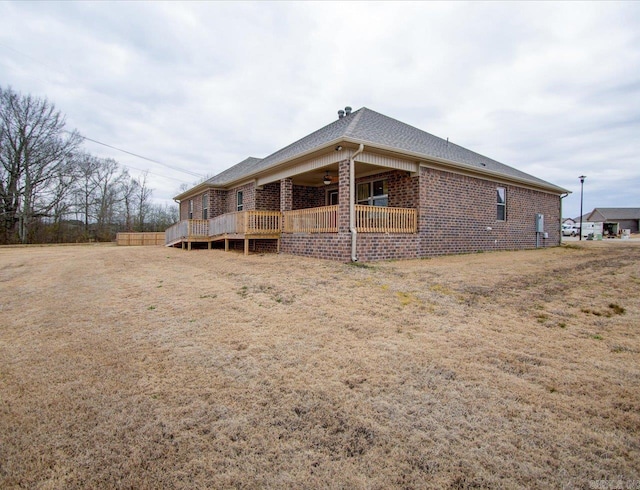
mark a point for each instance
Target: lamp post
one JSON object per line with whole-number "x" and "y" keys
{"x": 582, "y": 177}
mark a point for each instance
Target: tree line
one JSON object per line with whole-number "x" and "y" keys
{"x": 52, "y": 191}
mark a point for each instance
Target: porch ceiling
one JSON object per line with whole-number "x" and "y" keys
{"x": 315, "y": 177}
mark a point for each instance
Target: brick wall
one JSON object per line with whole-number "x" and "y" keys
{"x": 308, "y": 197}
{"x": 286, "y": 194}
{"x": 197, "y": 207}
{"x": 380, "y": 246}
{"x": 458, "y": 215}
{"x": 401, "y": 186}
{"x": 334, "y": 246}
{"x": 218, "y": 202}
{"x": 454, "y": 217}
{"x": 255, "y": 246}
{"x": 268, "y": 198}
{"x": 248, "y": 196}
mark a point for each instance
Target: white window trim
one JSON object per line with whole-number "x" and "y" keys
{"x": 239, "y": 200}
{"x": 503, "y": 204}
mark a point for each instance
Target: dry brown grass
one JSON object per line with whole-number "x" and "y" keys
{"x": 158, "y": 368}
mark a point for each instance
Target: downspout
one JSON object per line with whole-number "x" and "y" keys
{"x": 561, "y": 202}
{"x": 352, "y": 204}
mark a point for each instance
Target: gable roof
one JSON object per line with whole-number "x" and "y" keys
{"x": 377, "y": 130}
{"x": 608, "y": 214}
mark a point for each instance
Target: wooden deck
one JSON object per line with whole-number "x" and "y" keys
{"x": 269, "y": 225}
{"x": 242, "y": 225}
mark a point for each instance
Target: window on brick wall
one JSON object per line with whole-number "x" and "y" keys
{"x": 240, "y": 201}
{"x": 373, "y": 193}
{"x": 501, "y": 203}
{"x": 332, "y": 198}
{"x": 205, "y": 206}
{"x": 190, "y": 208}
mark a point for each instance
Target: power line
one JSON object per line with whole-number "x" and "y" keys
{"x": 177, "y": 169}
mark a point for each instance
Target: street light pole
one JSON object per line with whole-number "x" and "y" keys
{"x": 582, "y": 177}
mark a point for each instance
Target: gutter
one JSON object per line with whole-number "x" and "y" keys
{"x": 352, "y": 203}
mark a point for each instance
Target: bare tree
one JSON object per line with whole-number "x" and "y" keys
{"x": 142, "y": 197}
{"x": 108, "y": 187}
{"x": 85, "y": 191}
{"x": 129, "y": 192}
{"x": 162, "y": 217}
{"x": 34, "y": 150}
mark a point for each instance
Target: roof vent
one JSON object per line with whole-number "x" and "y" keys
{"x": 347, "y": 110}
{"x": 340, "y": 114}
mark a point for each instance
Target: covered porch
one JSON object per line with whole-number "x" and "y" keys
{"x": 271, "y": 225}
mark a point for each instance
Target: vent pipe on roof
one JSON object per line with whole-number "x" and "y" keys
{"x": 340, "y": 114}
{"x": 347, "y": 110}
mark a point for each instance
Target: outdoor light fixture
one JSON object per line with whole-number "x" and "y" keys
{"x": 582, "y": 177}
{"x": 339, "y": 147}
{"x": 327, "y": 178}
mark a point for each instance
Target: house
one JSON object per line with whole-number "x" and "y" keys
{"x": 368, "y": 187}
{"x": 614, "y": 220}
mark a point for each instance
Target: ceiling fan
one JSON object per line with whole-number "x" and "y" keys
{"x": 330, "y": 179}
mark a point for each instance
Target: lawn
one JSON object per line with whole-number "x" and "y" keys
{"x": 147, "y": 367}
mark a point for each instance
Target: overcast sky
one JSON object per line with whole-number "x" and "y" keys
{"x": 552, "y": 89}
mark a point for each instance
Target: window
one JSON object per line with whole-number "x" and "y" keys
{"x": 501, "y": 202}
{"x": 190, "y": 208}
{"x": 332, "y": 197}
{"x": 239, "y": 201}
{"x": 373, "y": 193}
{"x": 205, "y": 206}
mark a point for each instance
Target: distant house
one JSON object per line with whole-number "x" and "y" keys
{"x": 615, "y": 219}
{"x": 369, "y": 187}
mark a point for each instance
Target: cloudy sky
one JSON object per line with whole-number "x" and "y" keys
{"x": 552, "y": 89}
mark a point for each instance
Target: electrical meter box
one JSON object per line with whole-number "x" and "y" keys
{"x": 539, "y": 223}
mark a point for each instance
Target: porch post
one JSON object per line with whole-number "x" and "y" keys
{"x": 286, "y": 194}
{"x": 343, "y": 196}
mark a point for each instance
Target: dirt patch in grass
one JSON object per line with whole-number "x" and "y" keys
{"x": 158, "y": 368}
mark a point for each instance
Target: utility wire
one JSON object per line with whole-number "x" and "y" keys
{"x": 194, "y": 174}
{"x": 177, "y": 169}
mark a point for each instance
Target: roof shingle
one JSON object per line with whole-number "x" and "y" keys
{"x": 372, "y": 128}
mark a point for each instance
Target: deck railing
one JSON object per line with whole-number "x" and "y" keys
{"x": 187, "y": 228}
{"x": 323, "y": 219}
{"x": 247, "y": 222}
{"x": 378, "y": 219}
{"x": 262, "y": 222}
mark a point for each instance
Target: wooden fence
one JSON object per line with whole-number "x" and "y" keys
{"x": 147, "y": 238}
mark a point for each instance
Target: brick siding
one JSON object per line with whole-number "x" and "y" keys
{"x": 308, "y": 197}
{"x": 248, "y": 198}
{"x": 268, "y": 198}
{"x": 456, "y": 214}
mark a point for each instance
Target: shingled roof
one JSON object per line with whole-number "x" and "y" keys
{"x": 376, "y": 130}
{"x": 611, "y": 214}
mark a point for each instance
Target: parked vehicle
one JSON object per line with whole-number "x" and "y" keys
{"x": 570, "y": 230}
{"x": 592, "y": 230}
